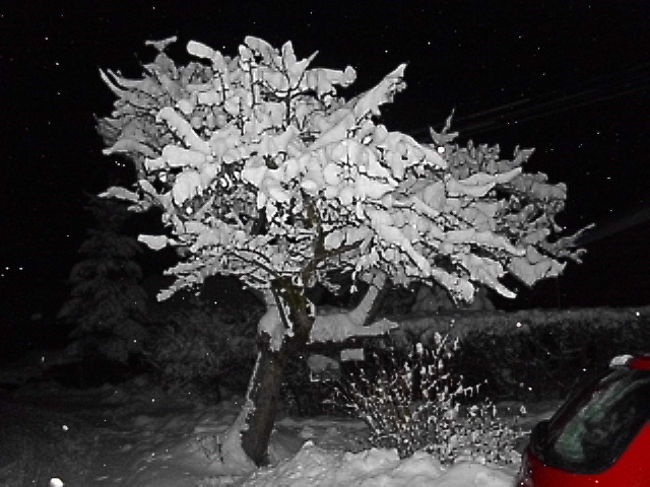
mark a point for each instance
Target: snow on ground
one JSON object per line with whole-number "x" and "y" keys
{"x": 134, "y": 435}
{"x": 314, "y": 466}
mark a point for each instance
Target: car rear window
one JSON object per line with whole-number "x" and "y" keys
{"x": 594, "y": 427}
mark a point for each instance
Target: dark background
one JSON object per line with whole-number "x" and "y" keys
{"x": 571, "y": 78}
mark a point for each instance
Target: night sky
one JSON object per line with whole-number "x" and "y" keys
{"x": 571, "y": 78}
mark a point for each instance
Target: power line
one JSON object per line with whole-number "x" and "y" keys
{"x": 630, "y": 80}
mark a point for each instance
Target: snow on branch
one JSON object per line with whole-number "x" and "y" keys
{"x": 340, "y": 326}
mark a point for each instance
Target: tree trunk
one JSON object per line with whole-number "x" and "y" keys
{"x": 255, "y": 423}
{"x": 264, "y": 393}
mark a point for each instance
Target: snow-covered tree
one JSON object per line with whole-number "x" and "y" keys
{"x": 264, "y": 172}
{"x": 107, "y": 305}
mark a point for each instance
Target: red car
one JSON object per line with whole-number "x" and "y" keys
{"x": 600, "y": 437}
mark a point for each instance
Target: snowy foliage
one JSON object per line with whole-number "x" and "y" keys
{"x": 264, "y": 172}
{"x": 107, "y": 305}
{"x": 418, "y": 404}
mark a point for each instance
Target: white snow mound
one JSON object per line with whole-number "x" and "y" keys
{"x": 314, "y": 467}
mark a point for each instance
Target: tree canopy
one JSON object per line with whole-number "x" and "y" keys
{"x": 263, "y": 171}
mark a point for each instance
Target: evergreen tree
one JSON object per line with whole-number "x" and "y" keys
{"x": 107, "y": 305}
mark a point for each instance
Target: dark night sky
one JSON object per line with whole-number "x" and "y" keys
{"x": 571, "y": 78}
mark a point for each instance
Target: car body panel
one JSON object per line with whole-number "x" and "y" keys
{"x": 632, "y": 469}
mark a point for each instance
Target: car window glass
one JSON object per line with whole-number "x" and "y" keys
{"x": 592, "y": 431}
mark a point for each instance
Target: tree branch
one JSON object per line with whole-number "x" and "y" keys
{"x": 341, "y": 326}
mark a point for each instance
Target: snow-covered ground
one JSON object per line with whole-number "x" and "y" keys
{"x": 134, "y": 435}
{"x": 316, "y": 466}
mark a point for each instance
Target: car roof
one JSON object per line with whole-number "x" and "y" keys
{"x": 635, "y": 362}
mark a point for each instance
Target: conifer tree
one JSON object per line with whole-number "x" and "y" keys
{"x": 107, "y": 305}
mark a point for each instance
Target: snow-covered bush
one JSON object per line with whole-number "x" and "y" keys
{"x": 202, "y": 348}
{"x": 551, "y": 351}
{"x": 416, "y": 403}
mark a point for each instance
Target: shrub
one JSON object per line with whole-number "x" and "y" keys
{"x": 549, "y": 359}
{"x": 417, "y": 403}
{"x": 302, "y": 394}
{"x": 201, "y": 347}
